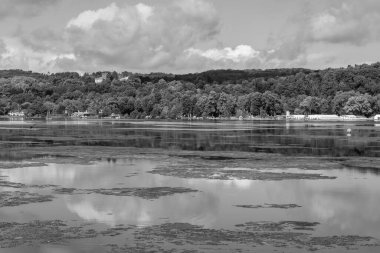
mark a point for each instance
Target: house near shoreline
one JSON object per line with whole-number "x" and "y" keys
{"x": 83, "y": 115}
{"x": 102, "y": 78}
{"x": 16, "y": 114}
{"x": 87, "y": 115}
{"x": 353, "y": 117}
{"x": 115, "y": 116}
{"x": 296, "y": 116}
{"x": 323, "y": 117}
{"x": 377, "y": 117}
{"x": 327, "y": 117}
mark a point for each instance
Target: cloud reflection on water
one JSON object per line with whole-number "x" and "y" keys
{"x": 346, "y": 205}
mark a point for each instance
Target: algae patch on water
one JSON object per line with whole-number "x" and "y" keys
{"x": 9, "y": 184}
{"x": 141, "y": 192}
{"x": 146, "y": 193}
{"x": 178, "y": 237}
{"x": 277, "y": 226}
{"x": 279, "y": 206}
{"x": 16, "y": 198}
{"x": 14, "y": 165}
{"x": 191, "y": 171}
{"x": 13, "y": 234}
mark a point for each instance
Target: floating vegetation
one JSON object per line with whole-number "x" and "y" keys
{"x": 133, "y": 174}
{"x": 145, "y": 248}
{"x": 141, "y": 192}
{"x": 278, "y": 226}
{"x": 181, "y": 236}
{"x": 280, "y": 206}
{"x": 66, "y": 191}
{"x": 145, "y": 193}
{"x": 13, "y": 165}
{"x": 178, "y": 237}
{"x": 16, "y": 198}
{"x": 213, "y": 157}
{"x": 228, "y": 174}
{"x": 5, "y": 183}
{"x": 371, "y": 164}
{"x": 13, "y": 234}
{"x": 8, "y": 184}
{"x": 258, "y": 160}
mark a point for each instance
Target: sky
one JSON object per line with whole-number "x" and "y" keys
{"x": 181, "y": 36}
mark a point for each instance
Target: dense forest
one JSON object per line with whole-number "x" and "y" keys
{"x": 217, "y": 93}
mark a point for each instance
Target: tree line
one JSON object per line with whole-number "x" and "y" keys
{"x": 217, "y": 93}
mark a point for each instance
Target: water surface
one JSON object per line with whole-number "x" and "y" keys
{"x": 347, "y": 205}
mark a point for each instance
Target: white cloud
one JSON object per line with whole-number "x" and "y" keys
{"x": 240, "y": 54}
{"x": 134, "y": 37}
{"x": 286, "y": 54}
{"x": 86, "y": 19}
{"x": 16, "y": 55}
{"x": 172, "y": 37}
{"x": 10, "y": 57}
{"x": 139, "y": 37}
{"x": 350, "y": 22}
{"x": 327, "y": 34}
{"x": 145, "y": 11}
{"x": 320, "y": 23}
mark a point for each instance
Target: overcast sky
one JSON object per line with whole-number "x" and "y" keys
{"x": 187, "y": 35}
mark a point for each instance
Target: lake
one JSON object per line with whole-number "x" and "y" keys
{"x": 189, "y": 186}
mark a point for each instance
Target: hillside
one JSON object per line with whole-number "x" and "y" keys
{"x": 352, "y": 90}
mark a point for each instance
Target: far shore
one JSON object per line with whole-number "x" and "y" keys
{"x": 320, "y": 118}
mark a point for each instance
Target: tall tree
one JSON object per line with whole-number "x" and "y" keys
{"x": 359, "y": 105}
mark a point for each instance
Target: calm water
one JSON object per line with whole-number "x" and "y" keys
{"x": 294, "y": 138}
{"x": 349, "y": 204}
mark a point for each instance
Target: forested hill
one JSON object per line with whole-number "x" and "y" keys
{"x": 218, "y": 93}
{"x": 222, "y": 75}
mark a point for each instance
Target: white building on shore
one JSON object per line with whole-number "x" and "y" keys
{"x": 323, "y": 117}
{"x": 18, "y": 114}
{"x": 101, "y": 79}
{"x": 328, "y": 117}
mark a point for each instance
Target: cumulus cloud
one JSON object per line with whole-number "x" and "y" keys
{"x": 286, "y": 54}
{"x": 16, "y": 55}
{"x": 135, "y": 37}
{"x": 347, "y": 23}
{"x": 145, "y": 38}
{"x": 239, "y": 54}
{"x": 8, "y": 57}
{"x": 172, "y": 37}
{"x": 138, "y": 36}
{"x": 43, "y": 39}
{"x": 86, "y": 19}
{"x": 25, "y": 8}
{"x": 344, "y": 24}
{"x": 242, "y": 56}
{"x": 162, "y": 38}
{"x": 351, "y": 22}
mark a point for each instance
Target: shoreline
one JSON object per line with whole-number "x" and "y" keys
{"x": 191, "y": 119}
